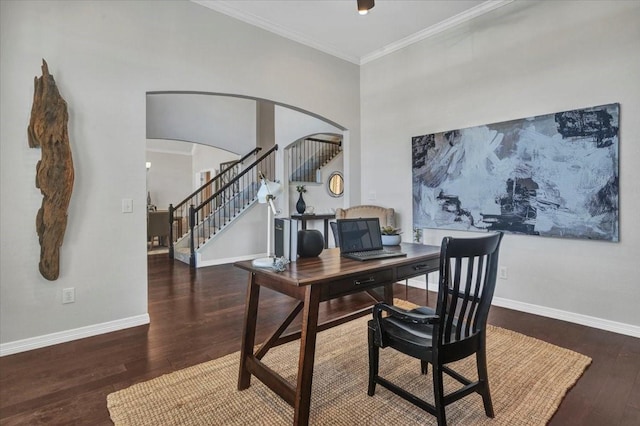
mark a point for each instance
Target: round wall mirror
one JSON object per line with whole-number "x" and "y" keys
{"x": 335, "y": 184}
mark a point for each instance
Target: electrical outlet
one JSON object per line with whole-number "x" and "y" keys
{"x": 68, "y": 295}
{"x": 503, "y": 272}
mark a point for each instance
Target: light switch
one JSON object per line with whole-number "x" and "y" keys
{"x": 127, "y": 205}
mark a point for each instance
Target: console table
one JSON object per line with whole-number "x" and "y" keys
{"x": 311, "y": 281}
{"x": 306, "y": 217}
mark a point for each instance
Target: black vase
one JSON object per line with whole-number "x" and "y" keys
{"x": 301, "y": 206}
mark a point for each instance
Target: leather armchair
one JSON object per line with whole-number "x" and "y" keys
{"x": 386, "y": 215}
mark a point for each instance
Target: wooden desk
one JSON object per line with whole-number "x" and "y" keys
{"x": 306, "y": 217}
{"x": 311, "y": 281}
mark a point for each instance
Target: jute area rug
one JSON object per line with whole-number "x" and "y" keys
{"x": 528, "y": 379}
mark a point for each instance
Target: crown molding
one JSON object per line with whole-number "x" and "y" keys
{"x": 431, "y": 31}
{"x": 225, "y": 8}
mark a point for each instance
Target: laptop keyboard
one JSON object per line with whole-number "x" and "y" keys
{"x": 370, "y": 253}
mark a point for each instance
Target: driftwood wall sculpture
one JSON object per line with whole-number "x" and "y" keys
{"x": 54, "y": 173}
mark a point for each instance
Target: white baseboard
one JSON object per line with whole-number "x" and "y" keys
{"x": 202, "y": 263}
{"x": 589, "y": 321}
{"x": 37, "y": 342}
{"x": 24, "y": 345}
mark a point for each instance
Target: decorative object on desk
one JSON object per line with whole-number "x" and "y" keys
{"x": 266, "y": 194}
{"x": 390, "y": 235}
{"x": 310, "y": 242}
{"x": 47, "y": 130}
{"x": 553, "y": 175}
{"x": 280, "y": 263}
{"x": 539, "y": 373}
{"x": 417, "y": 235}
{"x": 301, "y": 206}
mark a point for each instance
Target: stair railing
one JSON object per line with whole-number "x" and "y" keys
{"x": 181, "y": 210}
{"x": 204, "y": 222}
{"x": 309, "y": 155}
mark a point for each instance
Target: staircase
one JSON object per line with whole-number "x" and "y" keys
{"x": 196, "y": 219}
{"x": 308, "y": 155}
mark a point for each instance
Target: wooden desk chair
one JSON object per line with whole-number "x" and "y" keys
{"x": 455, "y": 330}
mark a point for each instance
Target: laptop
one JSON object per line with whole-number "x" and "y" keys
{"x": 360, "y": 239}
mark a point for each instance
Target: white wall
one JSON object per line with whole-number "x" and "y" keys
{"x": 317, "y": 195}
{"x": 248, "y": 239}
{"x": 105, "y": 57}
{"x": 225, "y": 122}
{"x": 291, "y": 126}
{"x": 169, "y": 178}
{"x": 207, "y": 158}
{"x": 521, "y": 60}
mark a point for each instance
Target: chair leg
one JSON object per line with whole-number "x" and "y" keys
{"x": 483, "y": 377}
{"x": 438, "y": 394}
{"x": 424, "y": 367}
{"x": 374, "y": 355}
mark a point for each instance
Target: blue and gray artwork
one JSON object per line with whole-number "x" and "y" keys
{"x": 553, "y": 175}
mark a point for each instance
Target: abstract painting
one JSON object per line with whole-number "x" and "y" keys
{"x": 553, "y": 175}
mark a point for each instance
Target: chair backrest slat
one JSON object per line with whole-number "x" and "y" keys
{"x": 467, "y": 302}
{"x": 477, "y": 291}
{"x": 467, "y": 283}
{"x": 452, "y": 301}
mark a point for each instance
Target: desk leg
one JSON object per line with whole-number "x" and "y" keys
{"x": 426, "y": 286}
{"x": 326, "y": 233}
{"x": 307, "y": 354}
{"x": 248, "y": 332}
{"x": 388, "y": 294}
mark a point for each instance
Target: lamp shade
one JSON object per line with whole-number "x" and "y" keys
{"x": 268, "y": 188}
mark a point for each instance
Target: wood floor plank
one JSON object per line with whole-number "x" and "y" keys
{"x": 196, "y": 315}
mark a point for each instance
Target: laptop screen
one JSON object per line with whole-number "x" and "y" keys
{"x": 359, "y": 234}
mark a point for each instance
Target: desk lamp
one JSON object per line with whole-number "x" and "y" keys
{"x": 266, "y": 194}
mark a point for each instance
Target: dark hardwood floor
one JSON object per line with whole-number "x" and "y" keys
{"x": 197, "y": 316}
